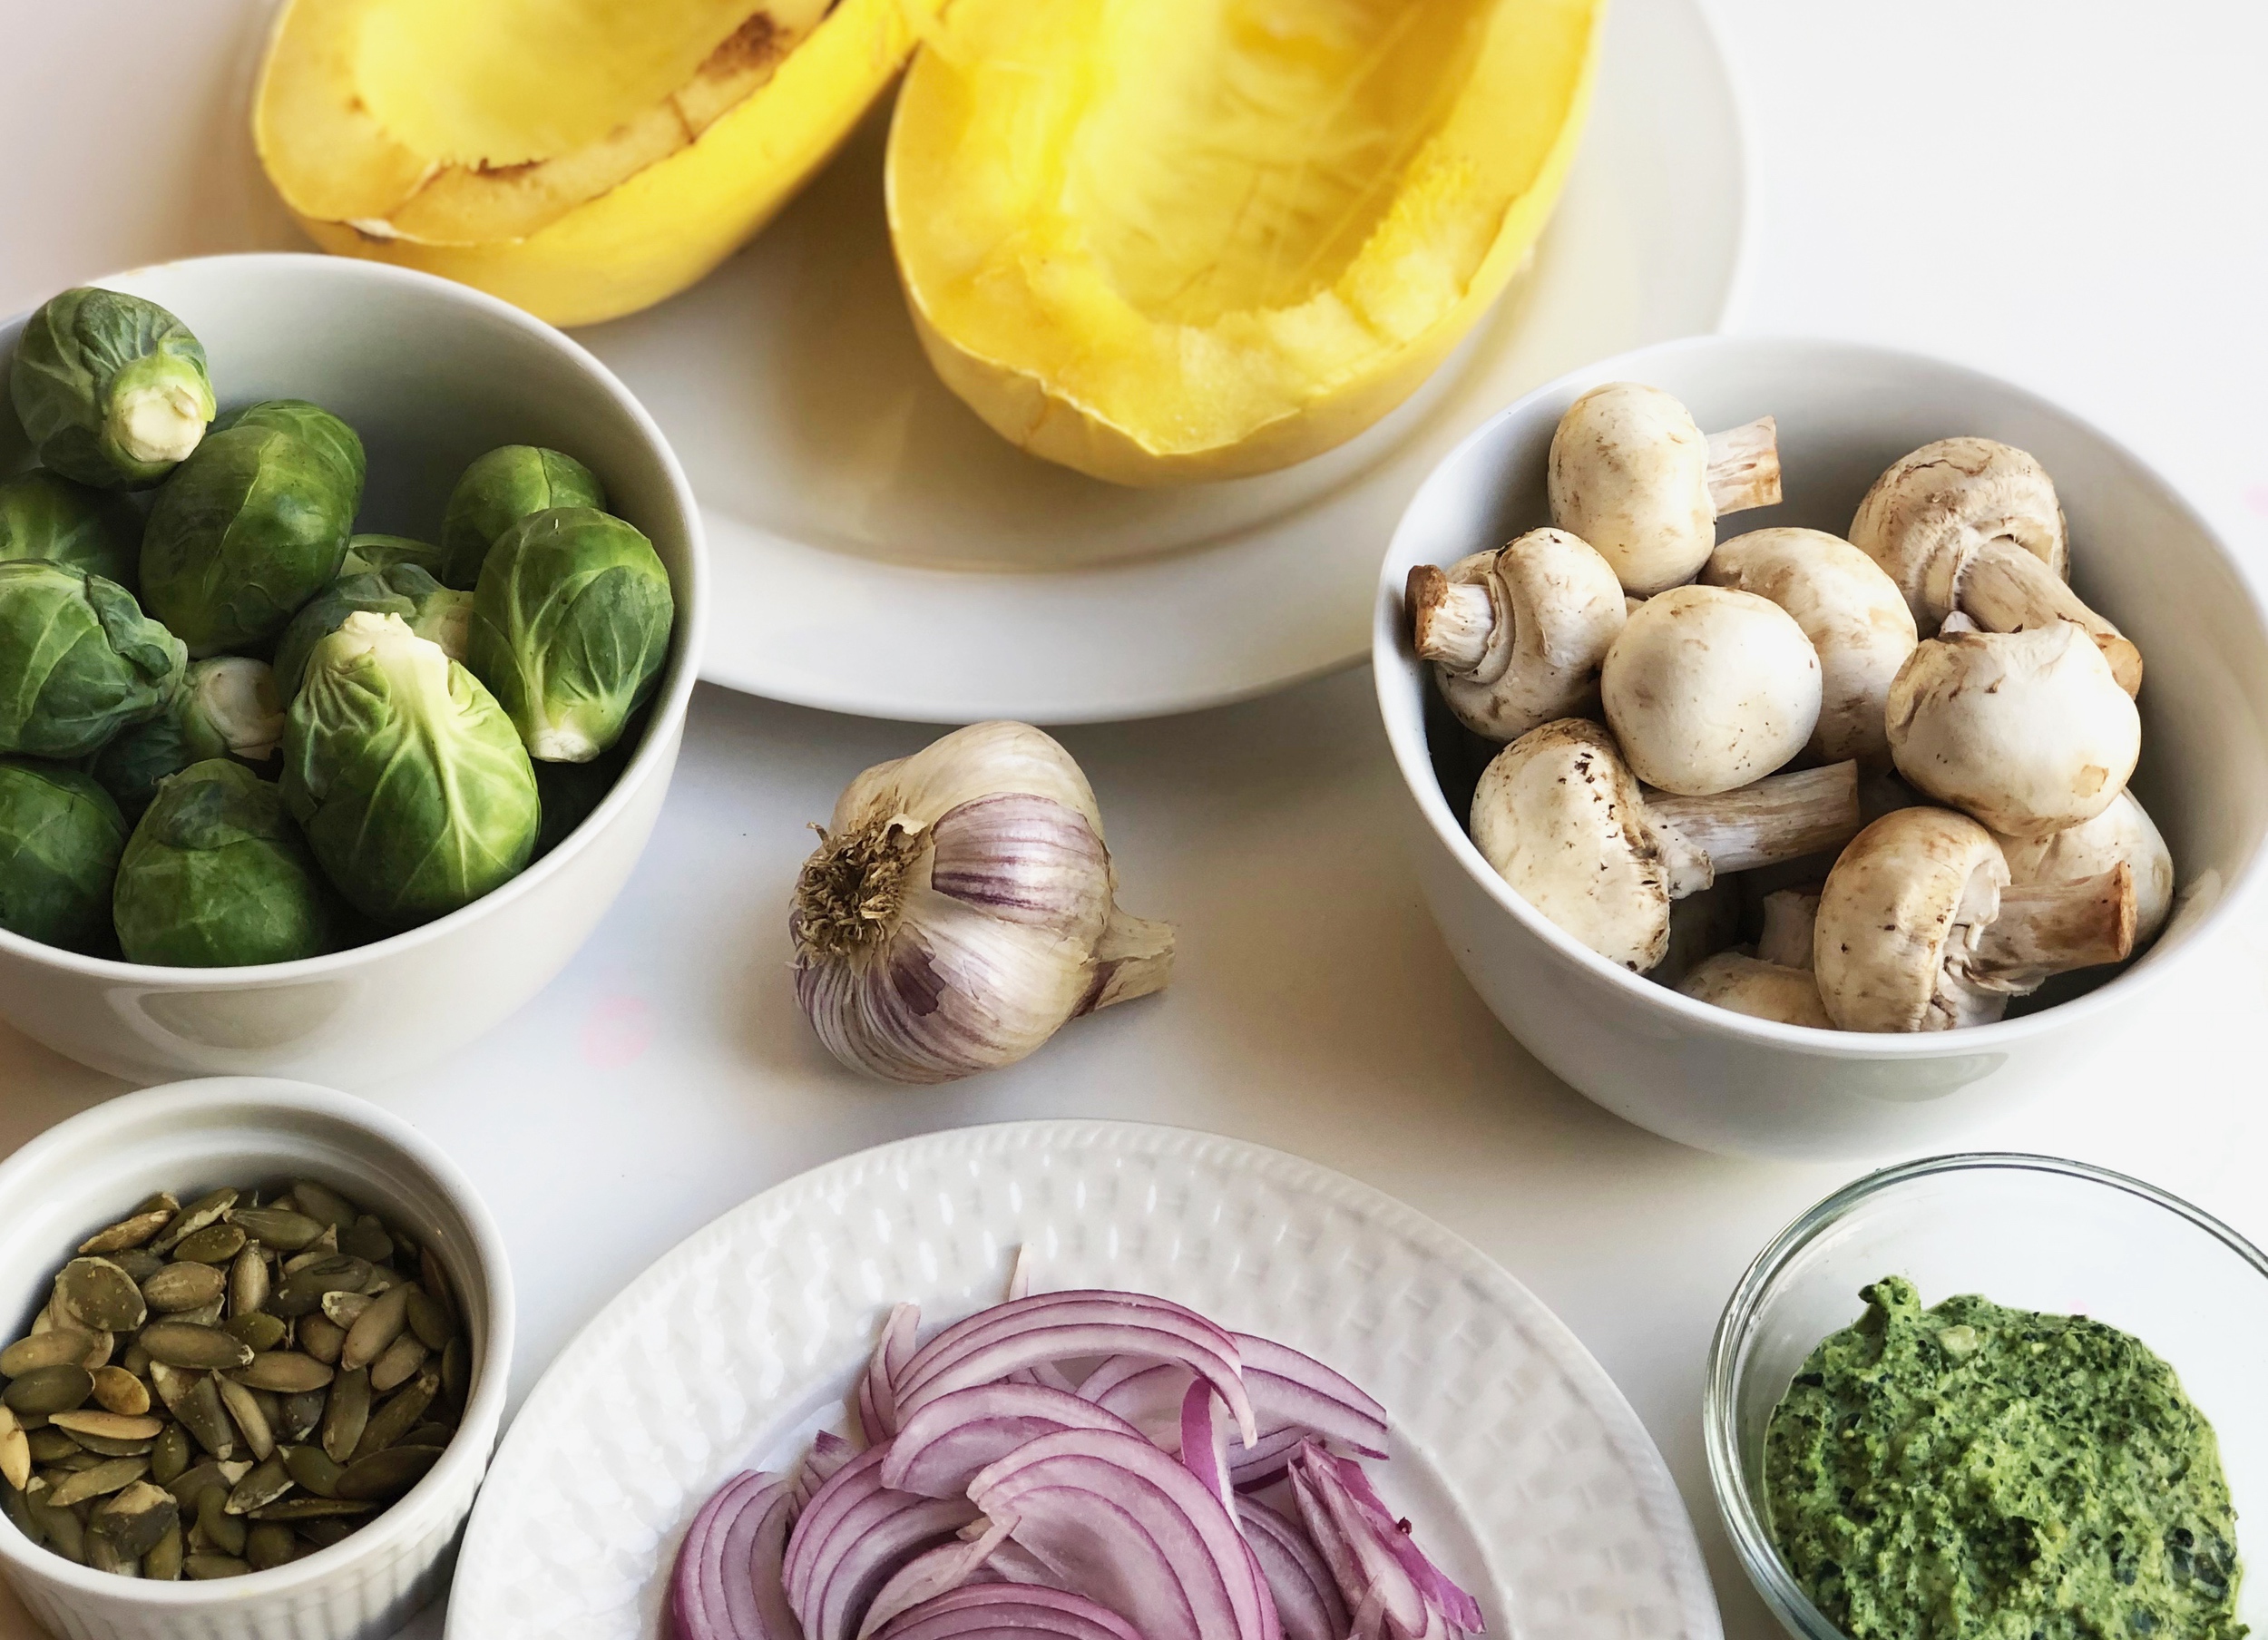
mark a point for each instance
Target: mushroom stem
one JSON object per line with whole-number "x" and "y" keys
{"x": 1789, "y": 915}
{"x": 1744, "y": 467}
{"x": 2050, "y": 928}
{"x": 2005, "y": 589}
{"x": 1451, "y": 622}
{"x": 1783, "y": 817}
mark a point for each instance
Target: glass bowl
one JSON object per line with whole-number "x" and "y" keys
{"x": 2027, "y": 1231}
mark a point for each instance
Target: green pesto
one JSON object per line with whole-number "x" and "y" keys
{"x": 1971, "y": 1472}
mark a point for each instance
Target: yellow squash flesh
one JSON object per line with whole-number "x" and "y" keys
{"x": 1166, "y": 240}
{"x": 581, "y": 158}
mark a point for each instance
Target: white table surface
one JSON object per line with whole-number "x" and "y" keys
{"x": 2064, "y": 191}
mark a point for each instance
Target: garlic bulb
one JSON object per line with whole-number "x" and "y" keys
{"x": 960, "y": 910}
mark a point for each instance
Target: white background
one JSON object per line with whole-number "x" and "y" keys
{"x": 2067, "y": 192}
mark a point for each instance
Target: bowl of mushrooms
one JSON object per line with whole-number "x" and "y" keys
{"x": 1785, "y": 771}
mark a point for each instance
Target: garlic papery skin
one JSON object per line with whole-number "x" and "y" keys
{"x": 961, "y": 909}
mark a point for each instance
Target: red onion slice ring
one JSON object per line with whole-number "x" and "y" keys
{"x": 1005, "y": 1611}
{"x": 1376, "y": 1565}
{"x": 1307, "y": 1599}
{"x": 1294, "y": 1397}
{"x": 877, "y": 1394}
{"x": 727, "y": 1583}
{"x": 932, "y": 1573}
{"x": 853, "y": 1536}
{"x": 1126, "y": 1525}
{"x": 942, "y": 1447}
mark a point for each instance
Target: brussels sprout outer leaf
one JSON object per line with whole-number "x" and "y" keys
{"x": 321, "y": 431}
{"x": 429, "y": 610}
{"x": 79, "y": 661}
{"x": 570, "y": 624}
{"x": 252, "y": 526}
{"x": 225, "y": 707}
{"x": 60, "y": 840}
{"x": 112, "y": 389}
{"x": 46, "y": 515}
{"x": 381, "y": 553}
{"x": 216, "y": 877}
{"x": 499, "y": 490}
{"x": 410, "y": 783}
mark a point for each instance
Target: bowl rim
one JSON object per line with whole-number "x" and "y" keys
{"x": 1393, "y": 670}
{"x": 1743, "y": 1523}
{"x": 669, "y": 705}
{"x": 470, "y": 1449}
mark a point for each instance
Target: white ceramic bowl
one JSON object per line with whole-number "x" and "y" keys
{"x": 188, "y": 1135}
{"x": 430, "y": 374}
{"x": 1721, "y": 1080}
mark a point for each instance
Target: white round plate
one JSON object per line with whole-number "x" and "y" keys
{"x": 1524, "y": 1469}
{"x": 876, "y": 549}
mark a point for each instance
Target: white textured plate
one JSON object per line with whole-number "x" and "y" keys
{"x": 1525, "y": 1470}
{"x": 876, "y": 549}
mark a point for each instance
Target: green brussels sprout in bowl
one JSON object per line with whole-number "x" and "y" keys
{"x": 428, "y": 609}
{"x": 367, "y": 553}
{"x": 45, "y": 515}
{"x": 499, "y": 490}
{"x": 79, "y": 661}
{"x": 60, "y": 839}
{"x": 216, "y": 875}
{"x": 570, "y": 624}
{"x": 314, "y": 427}
{"x": 409, "y": 780}
{"x": 226, "y": 707}
{"x": 253, "y": 525}
{"x": 111, "y": 388}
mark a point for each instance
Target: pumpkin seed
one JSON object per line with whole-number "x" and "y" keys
{"x": 108, "y": 1426}
{"x": 169, "y": 1455}
{"x": 376, "y": 1329}
{"x": 214, "y": 1244}
{"x": 206, "y": 1568}
{"x": 50, "y": 1446}
{"x": 49, "y": 1390}
{"x": 62, "y": 1346}
{"x": 206, "y": 1210}
{"x": 184, "y": 1286}
{"x": 268, "y": 1481}
{"x": 136, "y": 1359}
{"x": 138, "y": 1263}
{"x": 436, "y": 1281}
{"x": 163, "y": 1563}
{"x": 249, "y": 1416}
{"x": 366, "y": 1238}
{"x": 258, "y": 1330}
{"x": 301, "y": 1291}
{"x": 299, "y": 1414}
{"x": 248, "y": 1283}
{"x": 343, "y": 1310}
{"x": 103, "y": 1556}
{"x": 386, "y": 1474}
{"x": 271, "y": 1545}
{"x": 322, "y": 1338}
{"x": 313, "y": 1508}
{"x": 401, "y": 1362}
{"x": 105, "y": 1446}
{"x": 15, "y": 1452}
{"x": 18, "y": 1505}
{"x": 204, "y": 1475}
{"x": 323, "y": 1204}
{"x": 66, "y": 1533}
{"x": 428, "y": 1320}
{"x": 131, "y": 1231}
{"x": 285, "y": 1372}
{"x": 325, "y": 1533}
{"x": 204, "y": 1316}
{"x": 312, "y": 1468}
{"x": 403, "y": 1411}
{"x": 120, "y": 1391}
{"x": 109, "y": 1476}
{"x": 348, "y": 1415}
{"x": 187, "y": 1344}
{"x": 203, "y": 1414}
{"x": 278, "y": 1227}
{"x": 133, "y": 1519}
{"x": 97, "y": 1294}
{"x": 219, "y": 1529}
{"x": 430, "y": 1435}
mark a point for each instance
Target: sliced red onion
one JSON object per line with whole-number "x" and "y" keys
{"x": 1376, "y": 1564}
{"x": 934, "y": 1572}
{"x": 727, "y": 1583}
{"x": 1020, "y": 1274}
{"x": 829, "y": 1453}
{"x": 1204, "y": 1444}
{"x": 1006, "y": 1611}
{"x": 943, "y": 1445}
{"x": 1293, "y": 1396}
{"x": 877, "y": 1394}
{"x": 1146, "y": 1393}
{"x": 1126, "y": 1525}
{"x": 1307, "y": 1599}
{"x": 1059, "y": 1326}
{"x": 853, "y": 1536}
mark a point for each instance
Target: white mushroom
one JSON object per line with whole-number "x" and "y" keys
{"x": 1560, "y": 818}
{"x": 2122, "y": 834}
{"x": 1920, "y": 930}
{"x": 2026, "y": 731}
{"x": 1973, "y": 525}
{"x": 1632, "y": 474}
{"x": 1762, "y": 990}
{"x": 1708, "y": 690}
{"x": 1853, "y": 614}
{"x": 1789, "y": 915}
{"x": 1516, "y": 636}
{"x": 1700, "y": 925}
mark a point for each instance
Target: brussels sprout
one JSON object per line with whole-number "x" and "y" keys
{"x": 252, "y": 526}
{"x": 499, "y": 490}
{"x": 60, "y": 838}
{"x": 225, "y": 707}
{"x": 570, "y": 624}
{"x": 112, "y": 389}
{"x": 414, "y": 790}
{"x": 426, "y": 607}
{"x": 216, "y": 877}
{"x": 384, "y": 552}
{"x": 79, "y": 661}
{"x": 45, "y": 515}
{"x": 321, "y": 431}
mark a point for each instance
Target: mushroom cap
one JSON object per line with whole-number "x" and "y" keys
{"x": 1762, "y": 990}
{"x": 1708, "y": 690}
{"x": 1560, "y": 817}
{"x": 1901, "y": 910}
{"x": 2122, "y": 834}
{"x": 1853, "y": 612}
{"x": 1630, "y": 474}
{"x": 1931, "y": 511}
{"x": 2026, "y": 731}
{"x": 1557, "y": 608}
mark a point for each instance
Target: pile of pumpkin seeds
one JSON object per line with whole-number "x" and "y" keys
{"x": 223, "y": 1387}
